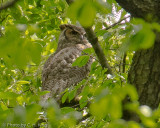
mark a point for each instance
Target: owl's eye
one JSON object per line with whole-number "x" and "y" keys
{"x": 74, "y": 32}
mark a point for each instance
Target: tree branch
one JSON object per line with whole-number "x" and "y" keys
{"x": 7, "y": 4}
{"x": 124, "y": 62}
{"x": 96, "y": 46}
{"x": 116, "y": 23}
{"x": 98, "y": 50}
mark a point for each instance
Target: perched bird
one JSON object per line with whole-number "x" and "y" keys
{"x": 58, "y": 72}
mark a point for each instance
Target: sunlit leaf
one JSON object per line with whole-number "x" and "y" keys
{"x": 87, "y": 14}
{"x": 3, "y": 106}
{"x": 83, "y": 102}
{"x": 31, "y": 110}
{"x": 23, "y": 82}
{"x": 8, "y": 95}
{"x": 43, "y": 92}
{"x": 132, "y": 124}
{"x": 66, "y": 110}
{"x": 35, "y": 52}
{"x": 64, "y": 97}
{"x": 131, "y": 91}
{"x": 72, "y": 94}
{"x": 142, "y": 40}
{"x": 84, "y": 11}
{"x": 81, "y": 61}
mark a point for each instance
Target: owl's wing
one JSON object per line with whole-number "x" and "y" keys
{"x": 58, "y": 72}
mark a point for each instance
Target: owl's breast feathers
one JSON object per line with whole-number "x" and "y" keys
{"x": 58, "y": 72}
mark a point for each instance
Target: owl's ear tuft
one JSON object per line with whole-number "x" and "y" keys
{"x": 62, "y": 27}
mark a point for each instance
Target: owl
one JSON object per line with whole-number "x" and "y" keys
{"x": 58, "y": 72}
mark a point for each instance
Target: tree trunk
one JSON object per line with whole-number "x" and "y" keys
{"x": 149, "y": 10}
{"x": 144, "y": 73}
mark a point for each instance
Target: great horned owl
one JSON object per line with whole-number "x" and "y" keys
{"x": 58, "y": 72}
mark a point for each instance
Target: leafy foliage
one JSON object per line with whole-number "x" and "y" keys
{"x": 29, "y": 34}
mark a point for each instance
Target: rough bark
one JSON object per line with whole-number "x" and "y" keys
{"x": 146, "y": 9}
{"x": 144, "y": 73}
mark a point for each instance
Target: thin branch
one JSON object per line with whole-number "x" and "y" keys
{"x": 98, "y": 50}
{"x": 124, "y": 62}
{"x": 4, "y": 18}
{"x": 7, "y": 4}
{"x": 116, "y": 23}
{"x": 96, "y": 46}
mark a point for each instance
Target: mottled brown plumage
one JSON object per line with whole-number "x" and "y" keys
{"x": 58, "y": 72}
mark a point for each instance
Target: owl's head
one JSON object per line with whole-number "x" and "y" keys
{"x": 71, "y": 35}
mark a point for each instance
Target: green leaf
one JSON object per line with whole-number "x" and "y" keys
{"x": 114, "y": 107}
{"x": 88, "y": 50}
{"x": 23, "y": 82}
{"x": 35, "y": 52}
{"x": 85, "y": 90}
{"x": 84, "y": 11}
{"x": 43, "y": 92}
{"x": 138, "y": 36}
{"x": 87, "y": 14}
{"x": 19, "y": 114}
{"x": 72, "y": 94}
{"x": 81, "y": 61}
{"x": 99, "y": 109}
{"x": 107, "y": 104}
{"x": 31, "y": 111}
{"x": 144, "y": 36}
{"x": 66, "y": 110}
{"x": 17, "y": 50}
{"x": 83, "y": 102}
{"x": 131, "y": 91}
{"x": 132, "y": 124}
{"x": 118, "y": 124}
{"x": 64, "y": 97}
{"x": 8, "y": 95}
{"x": 144, "y": 39}
{"x": 3, "y": 106}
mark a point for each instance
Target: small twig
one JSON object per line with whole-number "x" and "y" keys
{"x": 119, "y": 65}
{"x": 114, "y": 49}
{"x": 124, "y": 62}
{"x": 26, "y": 91}
{"x": 7, "y": 4}
{"x": 116, "y": 23}
{"x": 4, "y": 18}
